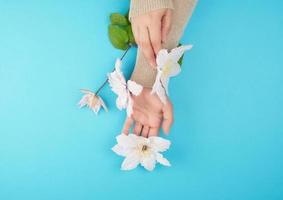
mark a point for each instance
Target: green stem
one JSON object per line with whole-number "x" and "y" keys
{"x": 105, "y": 82}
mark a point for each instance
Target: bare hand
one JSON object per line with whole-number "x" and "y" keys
{"x": 149, "y": 113}
{"x": 150, "y": 30}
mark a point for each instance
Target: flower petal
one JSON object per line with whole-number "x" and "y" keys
{"x": 131, "y": 161}
{"x": 119, "y": 150}
{"x": 159, "y": 144}
{"x": 127, "y": 141}
{"x": 134, "y": 87}
{"x": 118, "y": 85}
{"x": 135, "y": 138}
{"x": 122, "y": 100}
{"x": 85, "y": 91}
{"x": 162, "y": 57}
{"x": 175, "y": 69}
{"x": 148, "y": 162}
{"x": 162, "y": 160}
{"x": 118, "y": 64}
{"x": 142, "y": 140}
{"x": 177, "y": 52}
{"x": 159, "y": 89}
{"x": 84, "y": 100}
{"x": 101, "y": 102}
{"x": 96, "y": 108}
{"x": 164, "y": 81}
{"x": 130, "y": 106}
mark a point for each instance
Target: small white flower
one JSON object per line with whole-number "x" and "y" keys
{"x": 123, "y": 89}
{"x": 140, "y": 150}
{"x": 167, "y": 66}
{"x": 92, "y": 101}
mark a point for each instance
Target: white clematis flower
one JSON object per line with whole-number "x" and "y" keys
{"x": 167, "y": 66}
{"x": 140, "y": 150}
{"x": 123, "y": 89}
{"x": 91, "y": 100}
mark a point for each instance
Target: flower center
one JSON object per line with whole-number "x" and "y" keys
{"x": 144, "y": 148}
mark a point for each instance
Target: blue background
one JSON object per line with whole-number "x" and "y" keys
{"x": 228, "y": 133}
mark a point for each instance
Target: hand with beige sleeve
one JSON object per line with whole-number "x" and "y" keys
{"x": 150, "y": 30}
{"x": 156, "y": 24}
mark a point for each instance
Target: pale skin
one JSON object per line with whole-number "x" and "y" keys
{"x": 150, "y": 31}
{"x": 149, "y": 113}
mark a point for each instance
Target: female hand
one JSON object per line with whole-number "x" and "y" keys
{"x": 149, "y": 114}
{"x": 150, "y": 30}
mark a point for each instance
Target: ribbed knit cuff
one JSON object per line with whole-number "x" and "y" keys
{"x": 140, "y": 7}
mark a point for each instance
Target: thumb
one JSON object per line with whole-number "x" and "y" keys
{"x": 166, "y": 24}
{"x": 167, "y": 117}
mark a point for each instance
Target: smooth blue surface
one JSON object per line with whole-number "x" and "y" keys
{"x": 228, "y": 133}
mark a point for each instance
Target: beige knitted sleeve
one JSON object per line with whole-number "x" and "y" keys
{"x": 139, "y": 7}
{"x": 143, "y": 73}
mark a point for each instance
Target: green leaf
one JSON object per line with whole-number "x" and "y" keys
{"x": 118, "y": 37}
{"x": 131, "y": 35}
{"x": 180, "y": 61}
{"x": 118, "y": 19}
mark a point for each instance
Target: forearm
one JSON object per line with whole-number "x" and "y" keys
{"x": 145, "y": 74}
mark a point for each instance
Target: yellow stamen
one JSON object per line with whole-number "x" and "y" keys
{"x": 167, "y": 68}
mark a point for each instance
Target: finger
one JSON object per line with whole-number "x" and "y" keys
{"x": 127, "y": 125}
{"x": 145, "y": 46}
{"x": 153, "y": 131}
{"x": 167, "y": 117}
{"x": 166, "y": 24}
{"x": 145, "y": 131}
{"x": 137, "y": 128}
{"x": 155, "y": 35}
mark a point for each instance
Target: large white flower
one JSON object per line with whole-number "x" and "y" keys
{"x": 167, "y": 66}
{"x": 123, "y": 89}
{"x": 91, "y": 100}
{"x": 140, "y": 150}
